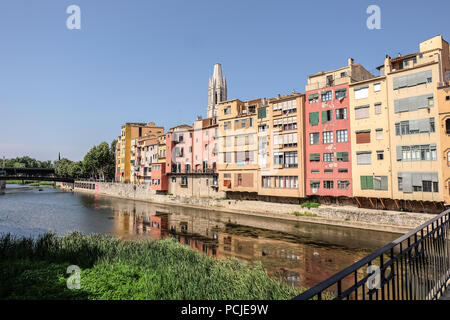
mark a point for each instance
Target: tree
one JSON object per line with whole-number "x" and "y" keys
{"x": 99, "y": 162}
{"x": 62, "y": 167}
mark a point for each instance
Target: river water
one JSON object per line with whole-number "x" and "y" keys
{"x": 301, "y": 254}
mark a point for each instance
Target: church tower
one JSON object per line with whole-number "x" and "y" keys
{"x": 217, "y": 91}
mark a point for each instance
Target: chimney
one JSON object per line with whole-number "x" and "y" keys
{"x": 350, "y": 61}
{"x": 399, "y": 55}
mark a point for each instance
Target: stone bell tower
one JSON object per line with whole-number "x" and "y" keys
{"x": 217, "y": 91}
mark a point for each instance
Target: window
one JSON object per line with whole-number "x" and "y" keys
{"x": 227, "y": 110}
{"x": 340, "y": 93}
{"x": 342, "y": 170}
{"x": 380, "y": 183}
{"x": 291, "y": 159}
{"x": 239, "y": 179}
{"x": 327, "y": 137}
{"x": 378, "y": 108}
{"x": 184, "y": 181}
{"x": 315, "y": 185}
{"x": 328, "y": 184}
{"x": 328, "y": 157}
{"x": 380, "y": 155}
{"x": 364, "y": 157}
{"x": 342, "y": 156}
{"x": 366, "y": 182}
{"x": 376, "y": 87}
{"x": 328, "y": 171}
{"x": 327, "y": 96}
{"x": 362, "y": 112}
{"x": 342, "y": 135}
{"x": 447, "y": 126}
{"x": 327, "y": 116}
{"x": 361, "y": 92}
{"x": 227, "y": 125}
{"x": 262, "y": 113}
{"x": 343, "y": 184}
{"x": 341, "y": 114}
{"x": 314, "y": 118}
{"x": 278, "y": 158}
{"x": 313, "y": 98}
{"x": 315, "y": 171}
{"x": 314, "y": 157}
{"x": 414, "y": 103}
{"x": 314, "y": 138}
{"x": 379, "y": 134}
{"x": 412, "y": 80}
{"x": 363, "y": 136}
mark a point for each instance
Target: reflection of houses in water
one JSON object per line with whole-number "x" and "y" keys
{"x": 297, "y": 262}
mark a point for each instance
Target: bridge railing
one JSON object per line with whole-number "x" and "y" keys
{"x": 415, "y": 266}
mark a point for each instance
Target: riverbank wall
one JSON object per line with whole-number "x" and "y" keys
{"x": 344, "y": 216}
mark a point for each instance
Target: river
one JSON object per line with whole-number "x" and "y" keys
{"x": 301, "y": 254}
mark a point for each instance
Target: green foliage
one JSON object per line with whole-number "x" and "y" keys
{"x": 220, "y": 199}
{"x": 118, "y": 269}
{"x": 310, "y": 205}
{"x": 26, "y": 162}
{"x": 304, "y": 214}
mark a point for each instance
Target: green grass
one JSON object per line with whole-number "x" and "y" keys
{"x": 119, "y": 269}
{"x": 310, "y": 205}
{"x": 304, "y": 214}
{"x": 220, "y": 199}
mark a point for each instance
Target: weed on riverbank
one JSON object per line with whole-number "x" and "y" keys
{"x": 119, "y": 269}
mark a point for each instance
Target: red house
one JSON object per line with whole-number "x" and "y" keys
{"x": 327, "y": 131}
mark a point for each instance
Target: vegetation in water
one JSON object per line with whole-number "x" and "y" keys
{"x": 119, "y": 269}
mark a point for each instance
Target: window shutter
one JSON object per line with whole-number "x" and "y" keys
{"x": 324, "y": 117}
{"x": 369, "y": 182}
{"x": 363, "y": 183}
{"x": 384, "y": 183}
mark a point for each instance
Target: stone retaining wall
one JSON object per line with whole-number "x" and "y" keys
{"x": 348, "y": 216}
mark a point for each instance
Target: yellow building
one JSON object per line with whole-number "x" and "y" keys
{"x": 281, "y": 147}
{"x": 370, "y": 142}
{"x": 413, "y": 118}
{"x": 238, "y": 147}
{"x": 444, "y": 128}
{"x": 130, "y": 133}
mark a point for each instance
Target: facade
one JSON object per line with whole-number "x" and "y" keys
{"x": 217, "y": 91}
{"x": 370, "y": 141}
{"x": 193, "y": 160}
{"x": 238, "y": 147}
{"x": 280, "y": 126}
{"x": 417, "y": 170}
{"x": 118, "y": 159}
{"x": 444, "y": 127}
{"x": 130, "y": 132}
{"x": 162, "y": 148}
{"x": 327, "y": 131}
{"x": 147, "y": 153}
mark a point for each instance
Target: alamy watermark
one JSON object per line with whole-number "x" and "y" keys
{"x": 74, "y": 281}
{"x": 374, "y": 20}
{"x": 74, "y": 20}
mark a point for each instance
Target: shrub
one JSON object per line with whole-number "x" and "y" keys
{"x": 310, "y": 205}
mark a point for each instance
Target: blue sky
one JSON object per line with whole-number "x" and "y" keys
{"x": 66, "y": 90}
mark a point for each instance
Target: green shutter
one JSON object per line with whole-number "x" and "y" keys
{"x": 363, "y": 183}
{"x": 324, "y": 117}
{"x": 261, "y": 113}
{"x": 345, "y": 156}
{"x": 369, "y": 182}
{"x": 314, "y": 118}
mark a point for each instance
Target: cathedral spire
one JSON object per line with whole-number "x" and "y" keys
{"x": 217, "y": 90}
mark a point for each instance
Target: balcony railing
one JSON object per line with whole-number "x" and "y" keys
{"x": 416, "y": 266}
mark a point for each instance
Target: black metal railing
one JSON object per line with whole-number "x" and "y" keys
{"x": 416, "y": 266}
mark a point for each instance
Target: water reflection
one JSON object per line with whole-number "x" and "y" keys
{"x": 302, "y": 254}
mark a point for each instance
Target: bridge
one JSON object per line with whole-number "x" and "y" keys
{"x": 415, "y": 266}
{"x": 38, "y": 174}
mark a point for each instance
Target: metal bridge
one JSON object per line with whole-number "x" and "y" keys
{"x": 416, "y": 266}
{"x": 38, "y": 174}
